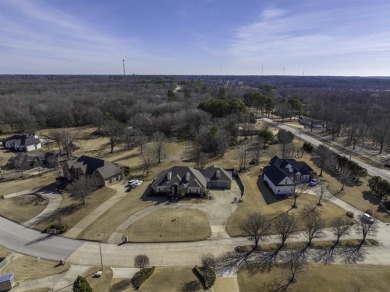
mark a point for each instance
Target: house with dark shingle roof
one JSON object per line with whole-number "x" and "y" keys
{"x": 20, "y": 142}
{"x": 187, "y": 180}
{"x": 105, "y": 172}
{"x": 282, "y": 175}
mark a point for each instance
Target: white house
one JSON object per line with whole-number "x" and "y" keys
{"x": 282, "y": 175}
{"x": 23, "y": 143}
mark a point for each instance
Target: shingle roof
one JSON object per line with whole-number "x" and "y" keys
{"x": 274, "y": 173}
{"x": 210, "y": 173}
{"x": 196, "y": 179}
{"x": 90, "y": 164}
{"x": 300, "y": 166}
{"x": 23, "y": 140}
{"x": 5, "y": 278}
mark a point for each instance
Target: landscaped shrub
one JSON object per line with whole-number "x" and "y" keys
{"x": 55, "y": 228}
{"x": 207, "y": 275}
{"x": 350, "y": 214}
{"x": 141, "y": 277}
{"x": 81, "y": 285}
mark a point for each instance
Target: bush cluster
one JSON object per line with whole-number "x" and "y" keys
{"x": 141, "y": 276}
{"x": 55, "y": 228}
{"x": 207, "y": 275}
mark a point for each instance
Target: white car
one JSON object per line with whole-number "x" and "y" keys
{"x": 367, "y": 218}
{"x": 314, "y": 182}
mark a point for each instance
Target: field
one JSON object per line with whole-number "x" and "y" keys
{"x": 99, "y": 284}
{"x": 170, "y": 225}
{"x": 314, "y": 277}
{"x": 18, "y": 185}
{"x": 21, "y": 208}
{"x": 27, "y": 267}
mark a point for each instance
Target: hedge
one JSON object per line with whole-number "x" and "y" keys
{"x": 55, "y": 228}
{"x": 141, "y": 276}
{"x": 207, "y": 275}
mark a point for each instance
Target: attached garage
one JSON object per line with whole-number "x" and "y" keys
{"x": 7, "y": 282}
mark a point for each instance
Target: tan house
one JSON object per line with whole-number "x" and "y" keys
{"x": 105, "y": 172}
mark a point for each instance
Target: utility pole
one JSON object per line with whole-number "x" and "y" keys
{"x": 101, "y": 257}
{"x": 124, "y": 69}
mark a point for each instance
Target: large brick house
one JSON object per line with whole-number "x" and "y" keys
{"x": 103, "y": 171}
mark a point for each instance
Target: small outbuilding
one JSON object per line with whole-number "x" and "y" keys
{"x": 7, "y": 282}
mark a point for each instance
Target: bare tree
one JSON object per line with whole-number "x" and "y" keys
{"x": 256, "y": 149}
{"x": 366, "y": 228}
{"x": 284, "y": 226}
{"x": 326, "y": 158}
{"x": 295, "y": 264}
{"x": 199, "y": 157}
{"x": 314, "y": 227}
{"x": 255, "y": 226}
{"x": 340, "y": 227}
{"x": 323, "y": 193}
{"x": 20, "y": 163}
{"x": 65, "y": 140}
{"x": 241, "y": 157}
{"x": 114, "y": 131}
{"x": 82, "y": 187}
{"x": 209, "y": 260}
{"x": 148, "y": 158}
{"x": 141, "y": 261}
{"x": 285, "y": 139}
{"x": 160, "y": 145}
{"x": 298, "y": 191}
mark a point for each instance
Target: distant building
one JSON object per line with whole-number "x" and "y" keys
{"x": 23, "y": 143}
{"x": 187, "y": 180}
{"x": 282, "y": 175}
{"x": 105, "y": 172}
{"x": 313, "y": 124}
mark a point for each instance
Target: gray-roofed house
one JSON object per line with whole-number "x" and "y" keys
{"x": 282, "y": 175}
{"x": 217, "y": 178}
{"x": 187, "y": 180}
{"x": 105, "y": 172}
{"x": 23, "y": 143}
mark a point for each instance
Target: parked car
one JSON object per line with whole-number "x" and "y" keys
{"x": 314, "y": 182}
{"x": 367, "y": 218}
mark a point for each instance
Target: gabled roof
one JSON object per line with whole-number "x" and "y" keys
{"x": 300, "y": 166}
{"x": 210, "y": 173}
{"x": 178, "y": 177}
{"x": 90, "y": 164}
{"x": 274, "y": 174}
{"x": 23, "y": 140}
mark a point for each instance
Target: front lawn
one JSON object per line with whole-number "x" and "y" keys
{"x": 170, "y": 225}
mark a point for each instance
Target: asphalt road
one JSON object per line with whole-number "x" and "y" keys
{"x": 29, "y": 241}
{"x": 373, "y": 171}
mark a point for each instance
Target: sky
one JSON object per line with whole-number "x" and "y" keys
{"x": 196, "y": 37}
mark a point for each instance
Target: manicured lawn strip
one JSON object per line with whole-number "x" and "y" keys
{"x": 27, "y": 267}
{"x": 78, "y": 211}
{"x": 18, "y": 185}
{"x": 316, "y": 277}
{"x": 21, "y": 208}
{"x": 170, "y": 225}
{"x": 170, "y": 279}
{"x": 106, "y": 224}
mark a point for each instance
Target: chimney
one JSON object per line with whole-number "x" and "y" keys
{"x": 218, "y": 174}
{"x": 187, "y": 177}
{"x": 169, "y": 176}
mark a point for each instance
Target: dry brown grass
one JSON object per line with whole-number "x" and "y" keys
{"x": 4, "y": 252}
{"x": 170, "y": 225}
{"x": 21, "y": 208}
{"x": 102, "y": 283}
{"x": 119, "y": 284}
{"x": 169, "y": 279}
{"x": 18, "y": 185}
{"x": 317, "y": 277}
{"x": 106, "y": 224}
{"x": 80, "y": 211}
{"x": 259, "y": 199}
{"x": 27, "y": 267}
